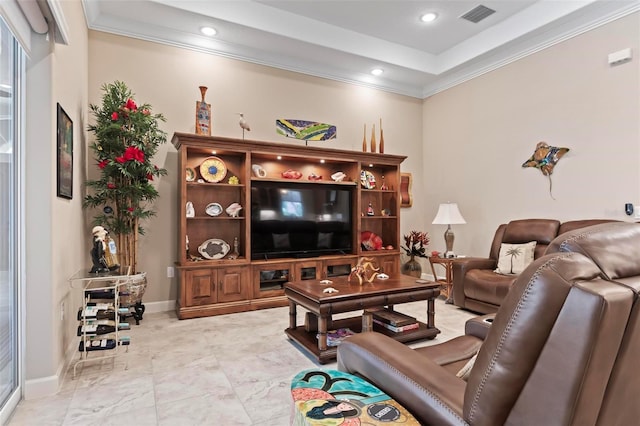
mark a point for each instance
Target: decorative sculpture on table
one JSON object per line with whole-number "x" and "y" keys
{"x": 103, "y": 252}
{"x": 545, "y": 158}
{"x": 364, "y": 265}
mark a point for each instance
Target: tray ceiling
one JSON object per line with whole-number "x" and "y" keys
{"x": 345, "y": 40}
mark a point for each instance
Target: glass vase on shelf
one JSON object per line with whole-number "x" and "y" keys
{"x": 412, "y": 267}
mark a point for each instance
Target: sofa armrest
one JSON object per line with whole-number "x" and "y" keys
{"x": 459, "y": 270}
{"x": 432, "y": 394}
{"x": 479, "y": 326}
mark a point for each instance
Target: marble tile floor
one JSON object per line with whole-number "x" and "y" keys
{"x": 225, "y": 370}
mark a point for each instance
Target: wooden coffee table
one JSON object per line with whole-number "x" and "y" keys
{"x": 350, "y": 297}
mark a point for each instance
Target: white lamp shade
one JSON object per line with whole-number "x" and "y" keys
{"x": 448, "y": 214}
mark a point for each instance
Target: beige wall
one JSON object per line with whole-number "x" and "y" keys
{"x": 55, "y": 231}
{"x": 478, "y": 134}
{"x": 168, "y": 79}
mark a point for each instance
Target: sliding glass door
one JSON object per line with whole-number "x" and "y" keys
{"x": 11, "y": 65}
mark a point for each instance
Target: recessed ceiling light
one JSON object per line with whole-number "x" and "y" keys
{"x": 429, "y": 17}
{"x": 208, "y": 31}
{"x": 377, "y": 71}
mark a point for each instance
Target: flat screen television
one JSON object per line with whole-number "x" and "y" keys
{"x": 292, "y": 219}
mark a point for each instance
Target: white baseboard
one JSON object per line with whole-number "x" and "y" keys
{"x": 44, "y": 386}
{"x": 163, "y": 306}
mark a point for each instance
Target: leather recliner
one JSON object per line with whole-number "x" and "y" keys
{"x": 558, "y": 353}
{"x": 478, "y": 288}
{"x": 608, "y": 247}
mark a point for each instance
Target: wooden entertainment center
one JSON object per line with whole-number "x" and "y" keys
{"x": 222, "y": 284}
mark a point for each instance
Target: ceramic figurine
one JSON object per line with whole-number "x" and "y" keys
{"x": 191, "y": 212}
{"x": 234, "y": 209}
{"x": 235, "y": 254}
{"x": 370, "y": 211}
{"x": 98, "y": 250}
{"x": 243, "y": 124}
{"x": 338, "y": 176}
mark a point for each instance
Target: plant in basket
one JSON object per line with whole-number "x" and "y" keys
{"x": 127, "y": 136}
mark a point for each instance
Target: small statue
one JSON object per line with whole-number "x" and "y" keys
{"x": 98, "y": 250}
{"x": 362, "y": 267}
{"x": 235, "y": 254}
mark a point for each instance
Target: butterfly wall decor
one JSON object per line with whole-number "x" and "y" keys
{"x": 545, "y": 158}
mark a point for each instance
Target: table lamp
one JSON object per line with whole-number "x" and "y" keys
{"x": 448, "y": 214}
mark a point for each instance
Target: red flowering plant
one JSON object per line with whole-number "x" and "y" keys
{"x": 127, "y": 136}
{"x": 415, "y": 244}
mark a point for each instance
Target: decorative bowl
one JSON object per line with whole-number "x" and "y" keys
{"x": 213, "y": 169}
{"x": 213, "y": 209}
{"x": 214, "y": 248}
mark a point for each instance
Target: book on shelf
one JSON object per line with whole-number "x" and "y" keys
{"x": 393, "y": 318}
{"x": 335, "y": 337}
{"x": 408, "y": 327}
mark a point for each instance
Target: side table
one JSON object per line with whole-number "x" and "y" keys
{"x": 446, "y": 284}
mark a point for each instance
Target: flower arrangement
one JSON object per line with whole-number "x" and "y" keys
{"x": 415, "y": 244}
{"x": 127, "y": 136}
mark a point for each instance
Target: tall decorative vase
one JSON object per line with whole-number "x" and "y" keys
{"x": 373, "y": 138}
{"x": 412, "y": 268}
{"x": 381, "y": 144}
{"x": 203, "y": 115}
{"x": 364, "y": 139}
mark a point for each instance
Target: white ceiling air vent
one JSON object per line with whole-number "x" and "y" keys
{"x": 477, "y": 14}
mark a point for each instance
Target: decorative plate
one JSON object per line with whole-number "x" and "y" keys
{"x": 213, "y": 169}
{"x": 367, "y": 179}
{"x": 214, "y": 249}
{"x": 190, "y": 174}
{"x": 213, "y": 209}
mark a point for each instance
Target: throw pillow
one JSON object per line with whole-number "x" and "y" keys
{"x": 281, "y": 241}
{"x": 324, "y": 239}
{"x": 514, "y": 258}
{"x": 466, "y": 370}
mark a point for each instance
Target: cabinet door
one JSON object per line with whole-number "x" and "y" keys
{"x": 268, "y": 280}
{"x": 307, "y": 270}
{"x": 232, "y": 284}
{"x": 338, "y": 267}
{"x": 200, "y": 287}
{"x": 389, "y": 264}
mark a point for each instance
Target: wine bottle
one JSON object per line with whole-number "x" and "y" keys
{"x": 99, "y": 294}
{"x": 96, "y": 345}
{"x": 93, "y": 313}
{"x": 95, "y": 329}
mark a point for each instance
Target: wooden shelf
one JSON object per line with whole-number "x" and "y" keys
{"x": 211, "y": 287}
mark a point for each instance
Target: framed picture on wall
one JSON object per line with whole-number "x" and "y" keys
{"x": 406, "y": 199}
{"x": 64, "y": 155}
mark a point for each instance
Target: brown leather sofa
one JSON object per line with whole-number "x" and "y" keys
{"x": 561, "y": 350}
{"x": 478, "y": 288}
